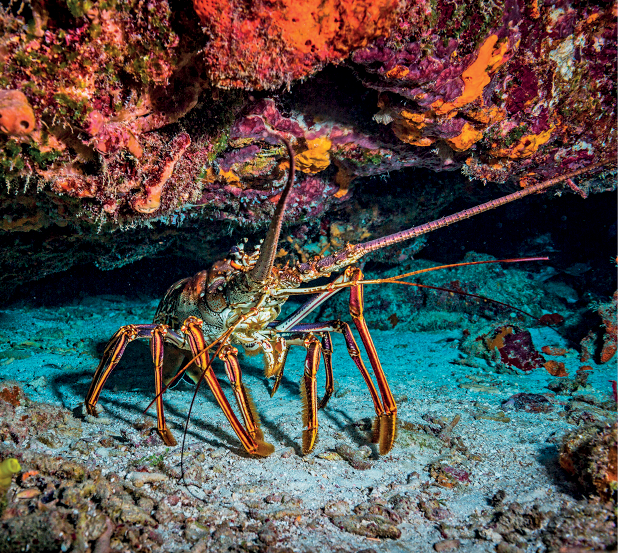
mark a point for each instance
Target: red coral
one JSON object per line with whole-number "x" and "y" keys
{"x": 551, "y": 319}
{"x": 515, "y": 347}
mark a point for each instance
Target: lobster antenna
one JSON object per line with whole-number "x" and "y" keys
{"x": 413, "y": 232}
{"x": 353, "y": 252}
{"x": 265, "y": 262}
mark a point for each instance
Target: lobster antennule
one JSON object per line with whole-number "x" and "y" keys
{"x": 263, "y": 267}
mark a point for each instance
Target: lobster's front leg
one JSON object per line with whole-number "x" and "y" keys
{"x": 327, "y": 355}
{"x": 193, "y": 329}
{"x": 229, "y": 356}
{"x": 384, "y": 430}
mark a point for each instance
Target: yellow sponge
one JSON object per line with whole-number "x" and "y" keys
{"x": 8, "y": 468}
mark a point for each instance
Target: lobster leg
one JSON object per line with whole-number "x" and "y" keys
{"x": 308, "y": 390}
{"x": 229, "y": 356}
{"x": 327, "y": 355}
{"x": 353, "y": 350}
{"x": 193, "y": 329}
{"x": 156, "y": 348}
{"x": 279, "y": 374}
{"x": 385, "y": 407}
{"x": 384, "y": 431}
{"x": 111, "y": 357}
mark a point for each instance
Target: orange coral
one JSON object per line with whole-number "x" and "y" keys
{"x": 409, "y": 127}
{"x": 550, "y": 350}
{"x": 487, "y": 115}
{"x": 468, "y": 136}
{"x": 151, "y": 201}
{"x": 497, "y": 340}
{"x": 343, "y": 179}
{"x": 476, "y": 76}
{"x": 316, "y": 158}
{"x": 397, "y": 72}
{"x": 526, "y": 146}
{"x": 16, "y": 115}
{"x": 262, "y": 45}
{"x": 555, "y": 368}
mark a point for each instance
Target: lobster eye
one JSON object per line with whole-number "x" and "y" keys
{"x": 234, "y": 249}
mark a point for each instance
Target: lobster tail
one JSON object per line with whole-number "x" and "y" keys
{"x": 263, "y": 267}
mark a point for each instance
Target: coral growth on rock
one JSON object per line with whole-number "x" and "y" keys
{"x": 116, "y": 115}
{"x": 588, "y": 454}
{"x": 20, "y": 420}
{"x": 515, "y": 347}
{"x": 513, "y": 86}
{"x": 302, "y": 36}
{"x": 608, "y": 313}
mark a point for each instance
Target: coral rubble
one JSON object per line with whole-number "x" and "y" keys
{"x": 588, "y": 454}
{"x": 608, "y": 312}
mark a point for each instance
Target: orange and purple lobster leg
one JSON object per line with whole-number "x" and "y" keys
{"x": 157, "y": 333}
{"x": 327, "y": 355}
{"x": 193, "y": 329}
{"x": 384, "y": 431}
{"x": 229, "y": 356}
{"x": 308, "y": 391}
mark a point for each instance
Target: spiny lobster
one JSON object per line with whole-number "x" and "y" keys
{"x": 237, "y": 302}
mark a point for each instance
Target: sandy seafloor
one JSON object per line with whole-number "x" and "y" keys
{"x": 238, "y": 503}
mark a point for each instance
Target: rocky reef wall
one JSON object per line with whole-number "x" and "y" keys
{"x": 124, "y": 123}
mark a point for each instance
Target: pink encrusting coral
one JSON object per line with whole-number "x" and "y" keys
{"x": 515, "y": 87}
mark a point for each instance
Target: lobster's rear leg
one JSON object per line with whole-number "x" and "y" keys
{"x": 156, "y": 348}
{"x": 193, "y": 329}
{"x": 327, "y": 355}
{"x": 384, "y": 430}
{"x": 308, "y": 389}
{"x": 111, "y": 357}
